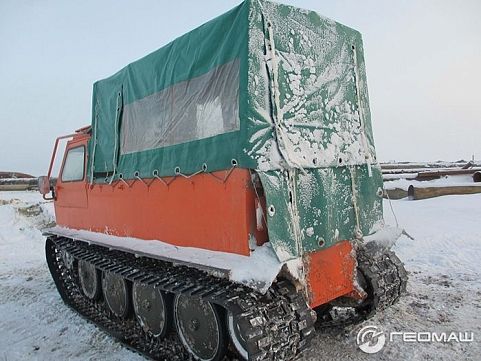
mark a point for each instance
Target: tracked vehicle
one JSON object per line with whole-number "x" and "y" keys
{"x": 227, "y": 193}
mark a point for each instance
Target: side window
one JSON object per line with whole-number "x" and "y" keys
{"x": 73, "y": 169}
{"x": 197, "y": 108}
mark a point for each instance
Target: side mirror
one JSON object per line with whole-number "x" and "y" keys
{"x": 43, "y": 185}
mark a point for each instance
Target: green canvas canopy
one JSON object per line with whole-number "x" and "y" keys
{"x": 262, "y": 84}
{"x": 267, "y": 87}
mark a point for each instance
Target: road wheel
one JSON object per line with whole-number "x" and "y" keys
{"x": 116, "y": 293}
{"x": 89, "y": 278}
{"x": 200, "y": 327}
{"x": 151, "y": 309}
{"x": 237, "y": 337}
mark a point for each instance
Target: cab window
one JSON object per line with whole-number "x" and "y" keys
{"x": 73, "y": 168}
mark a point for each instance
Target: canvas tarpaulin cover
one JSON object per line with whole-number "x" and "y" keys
{"x": 208, "y": 97}
{"x": 151, "y": 114}
{"x": 272, "y": 86}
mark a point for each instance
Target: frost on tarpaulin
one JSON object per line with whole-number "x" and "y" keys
{"x": 279, "y": 218}
{"x": 325, "y": 205}
{"x": 320, "y": 124}
{"x": 308, "y": 190}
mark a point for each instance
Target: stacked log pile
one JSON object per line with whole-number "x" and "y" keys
{"x": 418, "y": 172}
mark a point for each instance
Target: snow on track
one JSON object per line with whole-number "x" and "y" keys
{"x": 444, "y": 292}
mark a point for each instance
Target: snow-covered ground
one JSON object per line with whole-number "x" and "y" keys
{"x": 444, "y": 293}
{"x": 34, "y": 322}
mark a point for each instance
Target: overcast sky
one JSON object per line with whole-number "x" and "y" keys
{"x": 423, "y": 63}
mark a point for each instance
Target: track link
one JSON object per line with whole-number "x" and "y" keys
{"x": 385, "y": 274}
{"x": 277, "y": 325}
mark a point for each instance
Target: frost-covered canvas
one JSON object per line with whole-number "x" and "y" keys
{"x": 307, "y": 82}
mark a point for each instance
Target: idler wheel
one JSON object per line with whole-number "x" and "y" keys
{"x": 200, "y": 327}
{"x": 89, "y": 278}
{"x": 151, "y": 309}
{"x": 237, "y": 337}
{"x": 116, "y": 293}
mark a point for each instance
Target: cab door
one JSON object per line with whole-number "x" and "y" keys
{"x": 71, "y": 187}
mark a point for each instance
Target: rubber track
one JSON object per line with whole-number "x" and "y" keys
{"x": 386, "y": 274}
{"x": 278, "y": 325}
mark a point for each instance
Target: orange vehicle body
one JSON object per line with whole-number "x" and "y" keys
{"x": 203, "y": 211}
